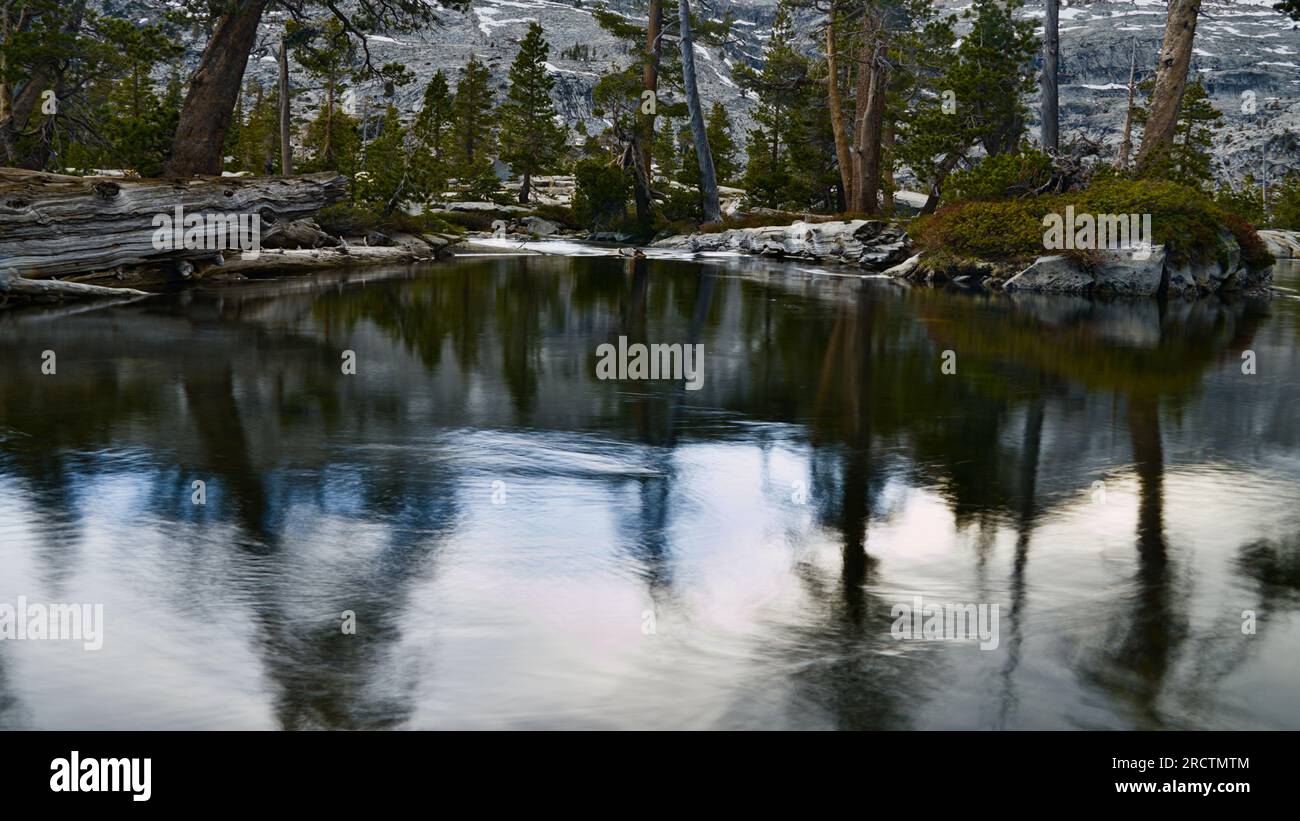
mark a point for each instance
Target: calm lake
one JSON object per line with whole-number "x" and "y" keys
{"x": 524, "y": 545}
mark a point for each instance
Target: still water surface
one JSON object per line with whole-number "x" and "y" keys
{"x": 652, "y": 557}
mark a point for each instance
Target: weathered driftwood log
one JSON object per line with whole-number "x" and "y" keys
{"x": 11, "y": 283}
{"x": 54, "y": 225}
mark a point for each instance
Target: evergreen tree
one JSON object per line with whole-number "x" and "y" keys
{"x": 968, "y": 96}
{"x": 1187, "y": 159}
{"x": 722, "y": 143}
{"x": 329, "y": 56}
{"x": 783, "y": 88}
{"x": 387, "y": 167}
{"x": 532, "y": 140}
{"x": 433, "y": 135}
{"x": 667, "y": 147}
{"x": 258, "y": 150}
{"x": 474, "y": 129}
{"x": 136, "y": 121}
{"x": 341, "y": 133}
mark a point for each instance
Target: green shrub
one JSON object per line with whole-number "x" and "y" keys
{"x": 352, "y": 220}
{"x": 559, "y": 214}
{"x": 401, "y": 222}
{"x": 1002, "y": 176}
{"x": 1286, "y": 205}
{"x": 346, "y": 219}
{"x": 601, "y": 198}
{"x": 1245, "y": 201}
{"x": 471, "y": 220}
{"x": 1005, "y": 230}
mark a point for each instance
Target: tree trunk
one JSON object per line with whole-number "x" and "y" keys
{"x": 708, "y": 178}
{"x": 843, "y": 157}
{"x": 286, "y": 146}
{"x": 20, "y": 108}
{"x": 214, "y": 88}
{"x": 941, "y": 174}
{"x": 1051, "y": 53}
{"x": 873, "y": 75}
{"x": 53, "y": 225}
{"x": 1126, "y": 145}
{"x": 1171, "y": 79}
{"x": 871, "y": 127}
{"x": 887, "y": 168}
{"x": 524, "y": 186}
{"x": 649, "y": 82}
{"x": 641, "y": 194}
{"x": 327, "y": 150}
{"x": 6, "y": 87}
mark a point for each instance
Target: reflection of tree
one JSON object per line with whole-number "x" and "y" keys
{"x": 424, "y": 314}
{"x": 846, "y": 370}
{"x": 849, "y": 664}
{"x": 329, "y": 680}
{"x": 646, "y": 526}
{"x": 255, "y": 405}
{"x": 210, "y": 397}
{"x": 256, "y": 415}
{"x": 11, "y": 712}
{"x": 1144, "y": 639}
{"x": 1025, "y": 520}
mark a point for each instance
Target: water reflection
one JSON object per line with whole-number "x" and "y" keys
{"x": 524, "y": 545}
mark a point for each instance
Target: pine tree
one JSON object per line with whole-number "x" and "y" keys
{"x": 968, "y": 96}
{"x": 532, "y": 141}
{"x": 387, "y": 163}
{"x": 722, "y": 143}
{"x": 339, "y": 131}
{"x": 329, "y": 56}
{"x": 474, "y": 120}
{"x": 667, "y": 147}
{"x": 1187, "y": 159}
{"x": 433, "y": 135}
{"x": 783, "y": 89}
{"x": 135, "y": 120}
{"x": 258, "y": 150}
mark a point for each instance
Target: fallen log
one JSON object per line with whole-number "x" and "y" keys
{"x": 55, "y": 225}
{"x": 11, "y": 283}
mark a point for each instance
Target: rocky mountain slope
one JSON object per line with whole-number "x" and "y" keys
{"x": 1247, "y": 54}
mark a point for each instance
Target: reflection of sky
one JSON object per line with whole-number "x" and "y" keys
{"x": 531, "y": 613}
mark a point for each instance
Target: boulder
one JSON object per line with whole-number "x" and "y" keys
{"x": 870, "y": 243}
{"x": 1192, "y": 278}
{"x": 539, "y": 227}
{"x": 905, "y": 268}
{"x": 1054, "y": 274}
{"x": 1129, "y": 271}
{"x": 486, "y": 207}
{"x": 1281, "y": 244}
{"x": 419, "y": 246}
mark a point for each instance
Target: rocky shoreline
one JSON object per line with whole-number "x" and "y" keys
{"x": 884, "y": 247}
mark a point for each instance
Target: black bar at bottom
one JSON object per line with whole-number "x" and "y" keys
{"x": 337, "y": 770}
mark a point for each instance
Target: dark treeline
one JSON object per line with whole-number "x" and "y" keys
{"x": 874, "y": 92}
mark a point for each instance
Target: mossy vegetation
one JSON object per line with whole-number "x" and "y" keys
{"x": 1185, "y": 220}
